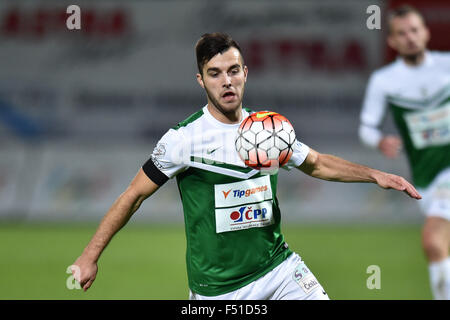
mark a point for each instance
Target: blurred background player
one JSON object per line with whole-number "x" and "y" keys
{"x": 416, "y": 87}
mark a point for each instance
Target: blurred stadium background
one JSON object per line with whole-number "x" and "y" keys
{"x": 80, "y": 112}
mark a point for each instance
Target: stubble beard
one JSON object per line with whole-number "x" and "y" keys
{"x": 414, "y": 58}
{"x": 219, "y": 107}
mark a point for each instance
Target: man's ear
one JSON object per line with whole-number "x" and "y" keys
{"x": 428, "y": 34}
{"x": 200, "y": 80}
{"x": 391, "y": 42}
{"x": 245, "y": 73}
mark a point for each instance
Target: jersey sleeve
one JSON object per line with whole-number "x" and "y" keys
{"x": 373, "y": 111}
{"x": 300, "y": 152}
{"x": 166, "y": 160}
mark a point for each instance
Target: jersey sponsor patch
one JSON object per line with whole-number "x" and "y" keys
{"x": 243, "y": 205}
{"x": 244, "y": 217}
{"x": 430, "y": 127}
{"x": 305, "y": 279}
{"x": 243, "y": 192}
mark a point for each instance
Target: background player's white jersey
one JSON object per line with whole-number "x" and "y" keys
{"x": 419, "y": 99}
{"x": 415, "y": 87}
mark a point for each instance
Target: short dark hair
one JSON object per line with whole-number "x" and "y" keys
{"x": 401, "y": 12}
{"x": 211, "y": 44}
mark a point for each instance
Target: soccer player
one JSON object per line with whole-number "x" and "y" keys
{"x": 416, "y": 88}
{"x": 253, "y": 262}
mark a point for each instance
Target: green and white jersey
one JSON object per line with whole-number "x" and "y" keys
{"x": 231, "y": 212}
{"x": 419, "y": 99}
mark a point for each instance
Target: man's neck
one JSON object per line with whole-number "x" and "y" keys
{"x": 414, "y": 60}
{"x": 228, "y": 118}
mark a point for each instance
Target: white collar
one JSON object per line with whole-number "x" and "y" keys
{"x": 220, "y": 124}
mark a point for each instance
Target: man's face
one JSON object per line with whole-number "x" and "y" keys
{"x": 224, "y": 78}
{"x": 408, "y": 35}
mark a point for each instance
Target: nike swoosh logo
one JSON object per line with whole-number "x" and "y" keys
{"x": 264, "y": 114}
{"x": 211, "y": 150}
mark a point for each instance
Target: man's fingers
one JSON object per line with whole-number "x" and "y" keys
{"x": 410, "y": 190}
{"x": 414, "y": 195}
{"x": 88, "y": 284}
{"x": 397, "y": 183}
{"x": 400, "y": 184}
{"x": 85, "y": 281}
{"x": 76, "y": 272}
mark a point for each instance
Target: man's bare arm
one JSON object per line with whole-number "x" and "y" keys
{"x": 332, "y": 168}
{"x": 140, "y": 188}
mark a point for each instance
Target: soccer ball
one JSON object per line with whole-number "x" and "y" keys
{"x": 265, "y": 139}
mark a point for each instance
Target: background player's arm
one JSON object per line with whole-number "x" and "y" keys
{"x": 140, "y": 188}
{"x": 332, "y": 168}
{"x": 372, "y": 115}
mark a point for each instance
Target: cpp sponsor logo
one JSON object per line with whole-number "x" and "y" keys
{"x": 246, "y": 214}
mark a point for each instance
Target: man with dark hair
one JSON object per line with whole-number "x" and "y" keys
{"x": 211, "y": 44}
{"x": 253, "y": 262}
{"x": 416, "y": 88}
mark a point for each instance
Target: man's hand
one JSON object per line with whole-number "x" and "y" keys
{"x": 390, "y": 146}
{"x": 84, "y": 271}
{"x": 391, "y": 181}
{"x": 332, "y": 168}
